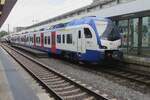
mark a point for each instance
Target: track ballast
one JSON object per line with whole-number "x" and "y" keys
{"x": 59, "y": 85}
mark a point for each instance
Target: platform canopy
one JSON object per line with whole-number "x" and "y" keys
{"x": 5, "y": 8}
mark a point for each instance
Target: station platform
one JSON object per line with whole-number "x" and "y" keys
{"x": 35, "y": 52}
{"x": 138, "y": 63}
{"x": 12, "y": 85}
{"x": 145, "y": 61}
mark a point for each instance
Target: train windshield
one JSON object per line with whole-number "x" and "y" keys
{"x": 107, "y": 30}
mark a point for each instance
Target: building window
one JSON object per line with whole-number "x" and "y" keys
{"x": 69, "y": 38}
{"x": 63, "y": 38}
{"x": 133, "y": 33}
{"x": 87, "y": 33}
{"x": 49, "y": 40}
{"x": 123, "y": 28}
{"x": 146, "y": 36}
{"x": 45, "y": 39}
{"x": 146, "y": 32}
{"x": 58, "y": 38}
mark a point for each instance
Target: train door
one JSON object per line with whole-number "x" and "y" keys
{"x": 34, "y": 40}
{"x": 42, "y": 41}
{"x": 81, "y": 42}
{"x": 53, "y": 44}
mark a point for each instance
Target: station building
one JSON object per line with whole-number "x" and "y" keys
{"x": 131, "y": 16}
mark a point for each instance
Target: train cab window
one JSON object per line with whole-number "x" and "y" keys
{"x": 45, "y": 39}
{"x": 69, "y": 38}
{"x": 58, "y": 38}
{"x": 63, "y": 38}
{"x": 49, "y": 40}
{"x": 79, "y": 34}
{"x": 87, "y": 33}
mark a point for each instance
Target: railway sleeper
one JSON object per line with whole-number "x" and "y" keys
{"x": 53, "y": 80}
{"x": 147, "y": 81}
{"x": 89, "y": 98}
{"x": 79, "y": 96}
{"x": 48, "y": 77}
{"x": 64, "y": 88}
{"x": 48, "y": 74}
{"x": 140, "y": 78}
{"x": 133, "y": 76}
{"x": 59, "y": 85}
{"x": 58, "y": 82}
{"x": 70, "y": 92}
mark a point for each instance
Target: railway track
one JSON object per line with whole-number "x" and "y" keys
{"x": 129, "y": 74}
{"x": 57, "y": 84}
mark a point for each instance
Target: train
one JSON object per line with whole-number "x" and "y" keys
{"x": 89, "y": 39}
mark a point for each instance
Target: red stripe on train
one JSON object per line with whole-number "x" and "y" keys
{"x": 53, "y": 44}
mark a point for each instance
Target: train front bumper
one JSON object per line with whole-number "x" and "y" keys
{"x": 113, "y": 54}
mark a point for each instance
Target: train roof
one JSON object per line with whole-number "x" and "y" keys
{"x": 85, "y": 20}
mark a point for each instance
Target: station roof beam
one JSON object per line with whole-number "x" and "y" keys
{"x": 5, "y": 8}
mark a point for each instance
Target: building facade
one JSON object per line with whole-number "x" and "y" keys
{"x": 18, "y": 29}
{"x": 135, "y": 35}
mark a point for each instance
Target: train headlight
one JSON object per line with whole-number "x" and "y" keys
{"x": 103, "y": 47}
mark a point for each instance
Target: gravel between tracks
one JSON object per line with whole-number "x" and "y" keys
{"x": 96, "y": 80}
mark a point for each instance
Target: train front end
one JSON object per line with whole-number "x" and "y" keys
{"x": 109, "y": 39}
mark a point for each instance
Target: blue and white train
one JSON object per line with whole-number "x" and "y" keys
{"x": 89, "y": 39}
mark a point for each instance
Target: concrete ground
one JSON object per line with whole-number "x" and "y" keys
{"x": 16, "y": 83}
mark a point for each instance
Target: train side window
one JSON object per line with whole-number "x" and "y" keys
{"x": 58, "y": 38}
{"x": 63, "y": 38}
{"x": 69, "y": 38}
{"x": 49, "y": 40}
{"x": 79, "y": 34}
{"x": 45, "y": 39}
{"x": 27, "y": 39}
{"x": 39, "y": 40}
{"x": 87, "y": 33}
{"x": 32, "y": 39}
{"x": 36, "y": 39}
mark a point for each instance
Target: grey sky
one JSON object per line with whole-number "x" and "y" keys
{"x": 25, "y": 11}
